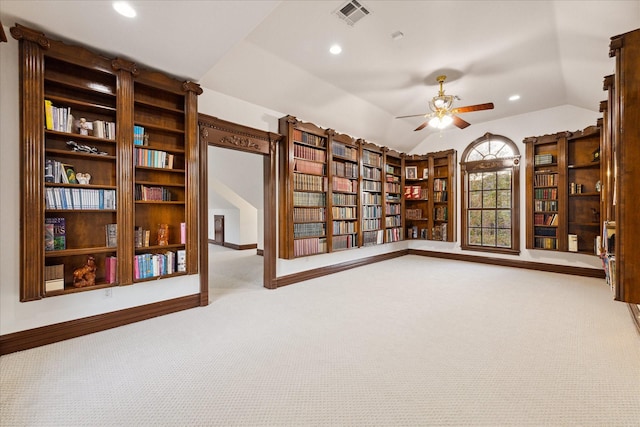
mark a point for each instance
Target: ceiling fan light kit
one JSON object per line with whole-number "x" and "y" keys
{"x": 442, "y": 112}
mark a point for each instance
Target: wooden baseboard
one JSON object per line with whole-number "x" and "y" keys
{"x": 49, "y": 334}
{"x": 240, "y": 247}
{"x": 323, "y": 271}
{"x": 552, "y": 268}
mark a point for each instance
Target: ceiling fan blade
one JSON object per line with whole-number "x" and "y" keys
{"x": 415, "y": 115}
{"x": 460, "y": 123}
{"x": 422, "y": 126}
{"x": 470, "y": 108}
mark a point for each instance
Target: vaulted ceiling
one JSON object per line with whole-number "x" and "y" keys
{"x": 275, "y": 53}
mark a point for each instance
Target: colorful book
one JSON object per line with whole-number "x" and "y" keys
{"x": 57, "y": 227}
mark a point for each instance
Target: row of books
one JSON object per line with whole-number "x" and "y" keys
{"x": 372, "y": 186}
{"x": 58, "y": 118}
{"x": 344, "y": 212}
{"x": 303, "y": 247}
{"x": 440, "y": 213}
{"x": 414, "y": 233}
{"x": 576, "y": 188}
{"x": 344, "y": 184}
{"x": 439, "y": 184}
{"x": 144, "y": 192}
{"x": 309, "y": 153}
{"x": 153, "y": 158}
{"x": 311, "y": 229}
{"x": 546, "y": 193}
{"x": 393, "y": 221}
{"x": 342, "y": 150}
{"x": 344, "y": 242}
{"x": 345, "y": 169}
{"x": 374, "y": 237}
{"x": 142, "y": 236}
{"x": 159, "y": 264}
{"x": 308, "y": 214}
{"x": 393, "y": 170}
{"x": 372, "y": 211}
{"x": 305, "y": 166}
{"x": 545, "y": 205}
{"x": 344, "y": 199}
{"x": 545, "y": 242}
{"x": 415, "y": 192}
{"x": 393, "y": 234}
{"x": 439, "y": 232}
{"x": 344, "y": 227}
{"x": 371, "y": 199}
{"x": 371, "y": 173}
{"x": 79, "y": 198}
{"x": 58, "y": 172}
{"x": 413, "y": 214}
{"x": 372, "y": 159}
{"x": 545, "y": 231}
{"x": 545, "y": 219}
{"x": 139, "y": 137}
{"x": 371, "y": 224}
{"x": 392, "y": 208}
{"x": 542, "y": 159}
{"x": 304, "y": 182}
{"x": 392, "y": 187}
{"x": 309, "y": 199}
{"x": 102, "y": 129}
{"x": 545, "y": 179}
{"x": 440, "y": 196}
{"x": 309, "y": 138}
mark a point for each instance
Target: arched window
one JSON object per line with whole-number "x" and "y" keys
{"x": 491, "y": 195}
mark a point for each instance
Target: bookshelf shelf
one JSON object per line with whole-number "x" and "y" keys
{"x": 69, "y": 83}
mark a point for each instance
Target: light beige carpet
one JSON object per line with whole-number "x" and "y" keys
{"x": 412, "y": 341}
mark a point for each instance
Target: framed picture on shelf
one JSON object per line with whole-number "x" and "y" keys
{"x": 411, "y": 172}
{"x": 425, "y": 173}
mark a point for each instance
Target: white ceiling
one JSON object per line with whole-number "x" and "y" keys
{"x": 275, "y": 53}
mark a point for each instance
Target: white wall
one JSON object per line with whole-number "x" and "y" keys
{"x": 14, "y": 315}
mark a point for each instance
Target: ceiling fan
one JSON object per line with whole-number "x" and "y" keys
{"x": 442, "y": 114}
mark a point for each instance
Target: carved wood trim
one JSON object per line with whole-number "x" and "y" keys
{"x": 189, "y": 86}
{"x": 23, "y": 33}
{"x": 3, "y": 36}
{"x": 122, "y": 64}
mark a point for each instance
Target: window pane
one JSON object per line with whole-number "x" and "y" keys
{"x": 489, "y": 180}
{"x": 489, "y": 199}
{"x": 489, "y": 219}
{"x": 504, "y": 238}
{"x": 475, "y": 181}
{"x": 475, "y": 199}
{"x": 475, "y": 236}
{"x": 488, "y": 237}
{"x": 504, "y": 180}
{"x": 475, "y": 218}
{"x": 505, "y": 151}
{"x": 504, "y": 219}
{"x": 483, "y": 148}
{"x": 504, "y": 199}
{"x": 474, "y": 156}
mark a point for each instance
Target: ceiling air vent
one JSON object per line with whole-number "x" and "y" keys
{"x": 351, "y": 12}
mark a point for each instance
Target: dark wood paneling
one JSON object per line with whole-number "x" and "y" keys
{"x": 44, "y": 335}
{"x": 552, "y": 268}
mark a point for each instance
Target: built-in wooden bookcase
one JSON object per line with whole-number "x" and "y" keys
{"x": 417, "y": 213}
{"x": 304, "y": 195}
{"x": 563, "y": 190}
{"x": 443, "y": 166}
{"x": 585, "y": 185}
{"x": 429, "y": 196}
{"x": 372, "y": 195}
{"x": 344, "y": 173}
{"x": 621, "y": 156}
{"x": 393, "y": 202}
{"x": 78, "y": 112}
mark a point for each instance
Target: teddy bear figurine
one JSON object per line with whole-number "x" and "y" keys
{"x": 83, "y": 178}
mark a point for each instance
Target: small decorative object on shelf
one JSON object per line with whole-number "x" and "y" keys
{"x": 83, "y": 178}
{"x": 85, "y": 148}
{"x": 85, "y": 275}
{"x": 163, "y": 234}
{"x": 411, "y": 172}
{"x": 84, "y": 126}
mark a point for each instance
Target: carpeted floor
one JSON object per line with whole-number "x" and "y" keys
{"x": 411, "y": 341}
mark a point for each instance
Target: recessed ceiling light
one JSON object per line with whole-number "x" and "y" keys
{"x": 514, "y": 97}
{"x": 335, "y": 49}
{"x": 124, "y": 9}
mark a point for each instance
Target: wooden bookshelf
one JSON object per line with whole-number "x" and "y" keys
{"x": 416, "y": 195}
{"x": 563, "y": 190}
{"x": 304, "y": 192}
{"x": 372, "y": 194}
{"x": 60, "y": 85}
{"x": 393, "y": 192}
{"x": 443, "y": 167}
{"x": 344, "y": 174}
